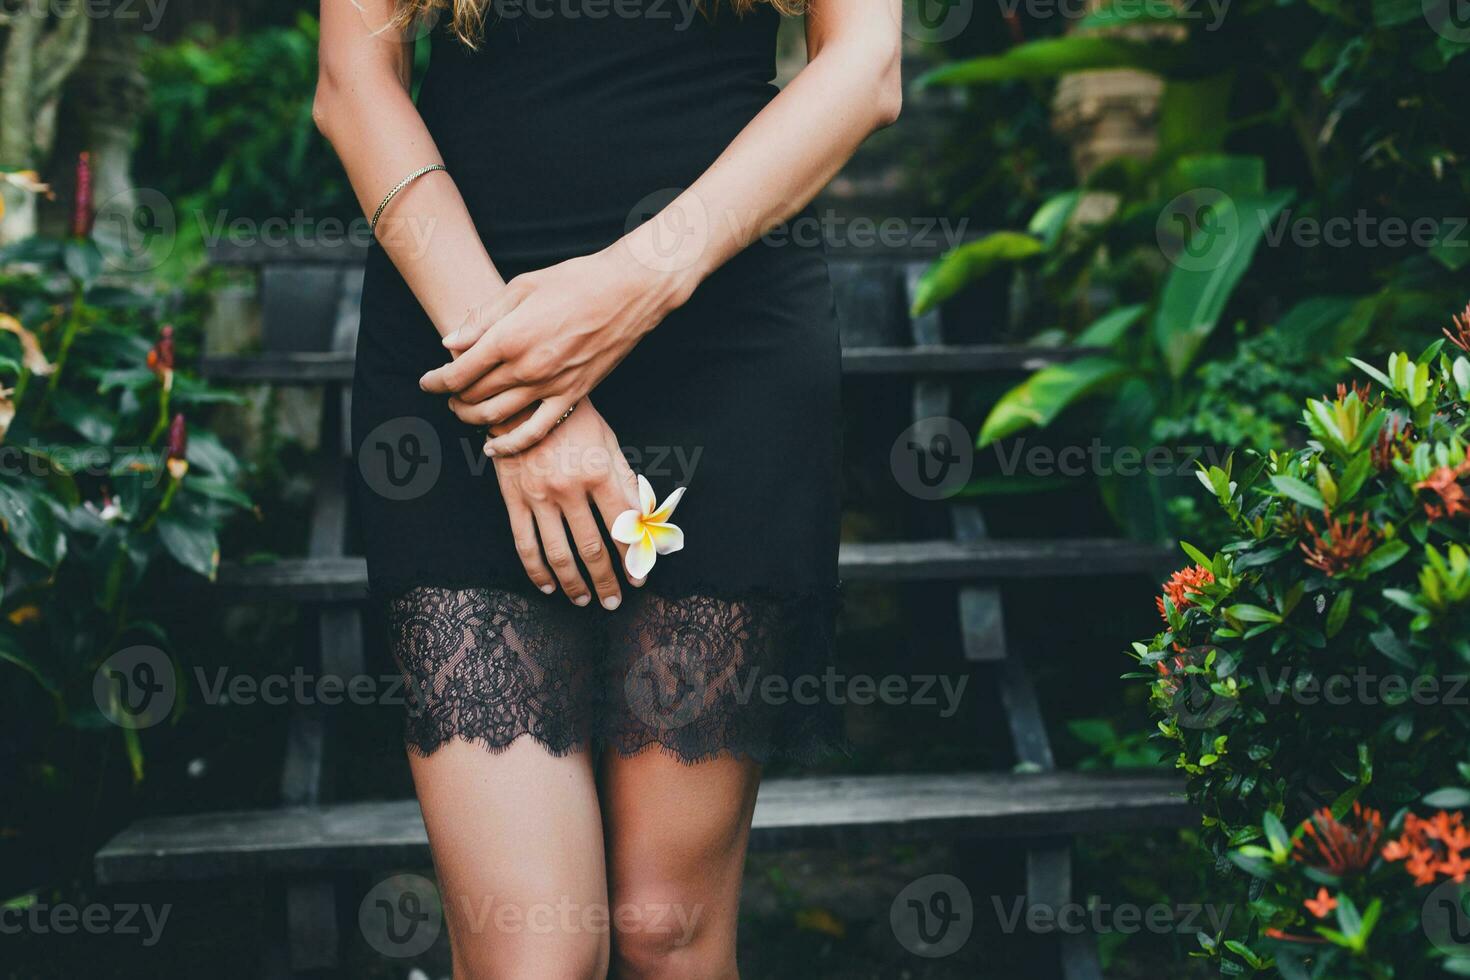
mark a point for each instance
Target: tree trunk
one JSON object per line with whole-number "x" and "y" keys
{"x": 39, "y": 54}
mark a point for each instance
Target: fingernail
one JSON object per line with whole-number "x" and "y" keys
{"x": 582, "y": 600}
{"x": 450, "y": 338}
{"x": 489, "y": 450}
{"x": 548, "y": 589}
{"x": 637, "y": 582}
{"x": 423, "y": 381}
{"x": 611, "y": 602}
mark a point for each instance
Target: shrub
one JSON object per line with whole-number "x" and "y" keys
{"x": 1311, "y": 676}
{"x": 108, "y": 483}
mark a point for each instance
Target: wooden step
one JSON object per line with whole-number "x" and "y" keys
{"x": 345, "y": 579}
{"x": 798, "y": 812}
{"x": 307, "y": 368}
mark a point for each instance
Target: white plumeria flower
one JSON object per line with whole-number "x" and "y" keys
{"x": 647, "y": 531}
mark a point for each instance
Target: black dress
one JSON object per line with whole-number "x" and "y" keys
{"x": 563, "y": 131}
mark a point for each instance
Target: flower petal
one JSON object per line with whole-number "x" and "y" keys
{"x": 662, "y": 515}
{"x": 666, "y": 537}
{"x": 647, "y": 501}
{"x": 640, "y": 558}
{"x": 628, "y": 527}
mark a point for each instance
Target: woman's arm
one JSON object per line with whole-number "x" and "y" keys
{"x": 553, "y": 335}
{"x": 363, "y": 108}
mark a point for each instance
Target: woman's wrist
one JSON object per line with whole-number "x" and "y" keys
{"x": 669, "y": 256}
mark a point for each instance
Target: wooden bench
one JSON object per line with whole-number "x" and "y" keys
{"x": 305, "y": 844}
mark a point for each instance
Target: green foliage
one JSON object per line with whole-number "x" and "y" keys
{"x": 104, "y": 488}
{"x": 1306, "y": 163}
{"x": 1317, "y": 661}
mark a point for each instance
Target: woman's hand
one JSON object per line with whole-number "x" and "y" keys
{"x": 550, "y": 337}
{"x": 554, "y": 487}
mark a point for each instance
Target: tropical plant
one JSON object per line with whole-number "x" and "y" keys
{"x": 1312, "y": 678}
{"x": 108, "y": 483}
{"x": 1323, "y": 134}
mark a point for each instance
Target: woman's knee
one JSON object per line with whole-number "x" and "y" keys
{"x": 566, "y": 954}
{"x": 655, "y": 939}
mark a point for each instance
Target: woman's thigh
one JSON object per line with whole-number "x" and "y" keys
{"x": 676, "y": 841}
{"x": 517, "y": 842}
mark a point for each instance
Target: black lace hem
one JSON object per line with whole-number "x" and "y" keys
{"x": 696, "y": 673}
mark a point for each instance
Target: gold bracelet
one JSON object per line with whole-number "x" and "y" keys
{"x": 373, "y": 226}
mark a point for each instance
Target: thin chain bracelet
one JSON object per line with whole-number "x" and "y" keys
{"x": 373, "y": 225}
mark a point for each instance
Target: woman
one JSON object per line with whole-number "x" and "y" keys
{"x": 570, "y": 274}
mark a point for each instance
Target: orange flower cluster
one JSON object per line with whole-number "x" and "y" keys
{"x": 1433, "y": 847}
{"x": 1341, "y": 846}
{"x": 1343, "y": 546}
{"x": 1181, "y": 584}
{"x": 1445, "y": 482}
{"x": 1460, "y": 337}
{"x": 1322, "y": 904}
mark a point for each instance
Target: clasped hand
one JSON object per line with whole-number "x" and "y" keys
{"x": 546, "y": 340}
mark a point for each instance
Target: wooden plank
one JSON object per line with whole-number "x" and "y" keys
{"x": 804, "y": 811}
{"x": 345, "y": 579}
{"x": 280, "y": 368}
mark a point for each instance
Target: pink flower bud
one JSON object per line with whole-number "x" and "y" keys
{"x": 82, "y": 216}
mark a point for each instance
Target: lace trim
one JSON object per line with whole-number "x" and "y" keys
{"x": 694, "y": 673}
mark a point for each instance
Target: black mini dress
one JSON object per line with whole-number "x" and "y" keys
{"x": 569, "y": 125}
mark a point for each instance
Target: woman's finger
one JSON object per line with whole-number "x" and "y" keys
{"x": 467, "y": 368}
{"x": 559, "y": 556}
{"x": 501, "y": 378}
{"x": 529, "y": 432}
{"x": 523, "y": 530}
{"x": 494, "y": 411}
{"x": 593, "y": 550}
{"x": 616, "y": 493}
{"x": 485, "y": 316}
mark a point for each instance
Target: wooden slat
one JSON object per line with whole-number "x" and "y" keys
{"x": 308, "y": 368}
{"x": 345, "y": 579}
{"x": 804, "y": 811}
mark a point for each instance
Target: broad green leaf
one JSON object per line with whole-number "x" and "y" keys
{"x": 1110, "y": 328}
{"x": 192, "y": 543}
{"x": 1201, "y": 283}
{"x": 960, "y": 267}
{"x": 30, "y": 524}
{"x": 1300, "y": 491}
{"x": 1050, "y": 220}
{"x": 1042, "y": 397}
{"x": 1060, "y": 56}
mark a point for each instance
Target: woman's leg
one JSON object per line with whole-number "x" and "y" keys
{"x": 676, "y": 838}
{"x": 517, "y": 843}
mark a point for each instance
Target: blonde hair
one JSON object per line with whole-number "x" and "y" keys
{"x": 468, "y": 16}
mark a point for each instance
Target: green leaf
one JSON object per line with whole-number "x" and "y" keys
{"x": 1059, "y": 56}
{"x": 1449, "y": 798}
{"x": 1200, "y": 284}
{"x": 30, "y": 524}
{"x": 192, "y": 543}
{"x": 1385, "y": 555}
{"x": 1042, "y": 397}
{"x": 1247, "y": 613}
{"x": 1338, "y": 614}
{"x": 1050, "y": 220}
{"x": 959, "y": 267}
{"x": 1112, "y": 327}
{"x": 1303, "y": 493}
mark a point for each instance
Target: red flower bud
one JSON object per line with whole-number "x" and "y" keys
{"x": 81, "y": 215}
{"x": 178, "y": 448}
{"x": 161, "y": 357}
